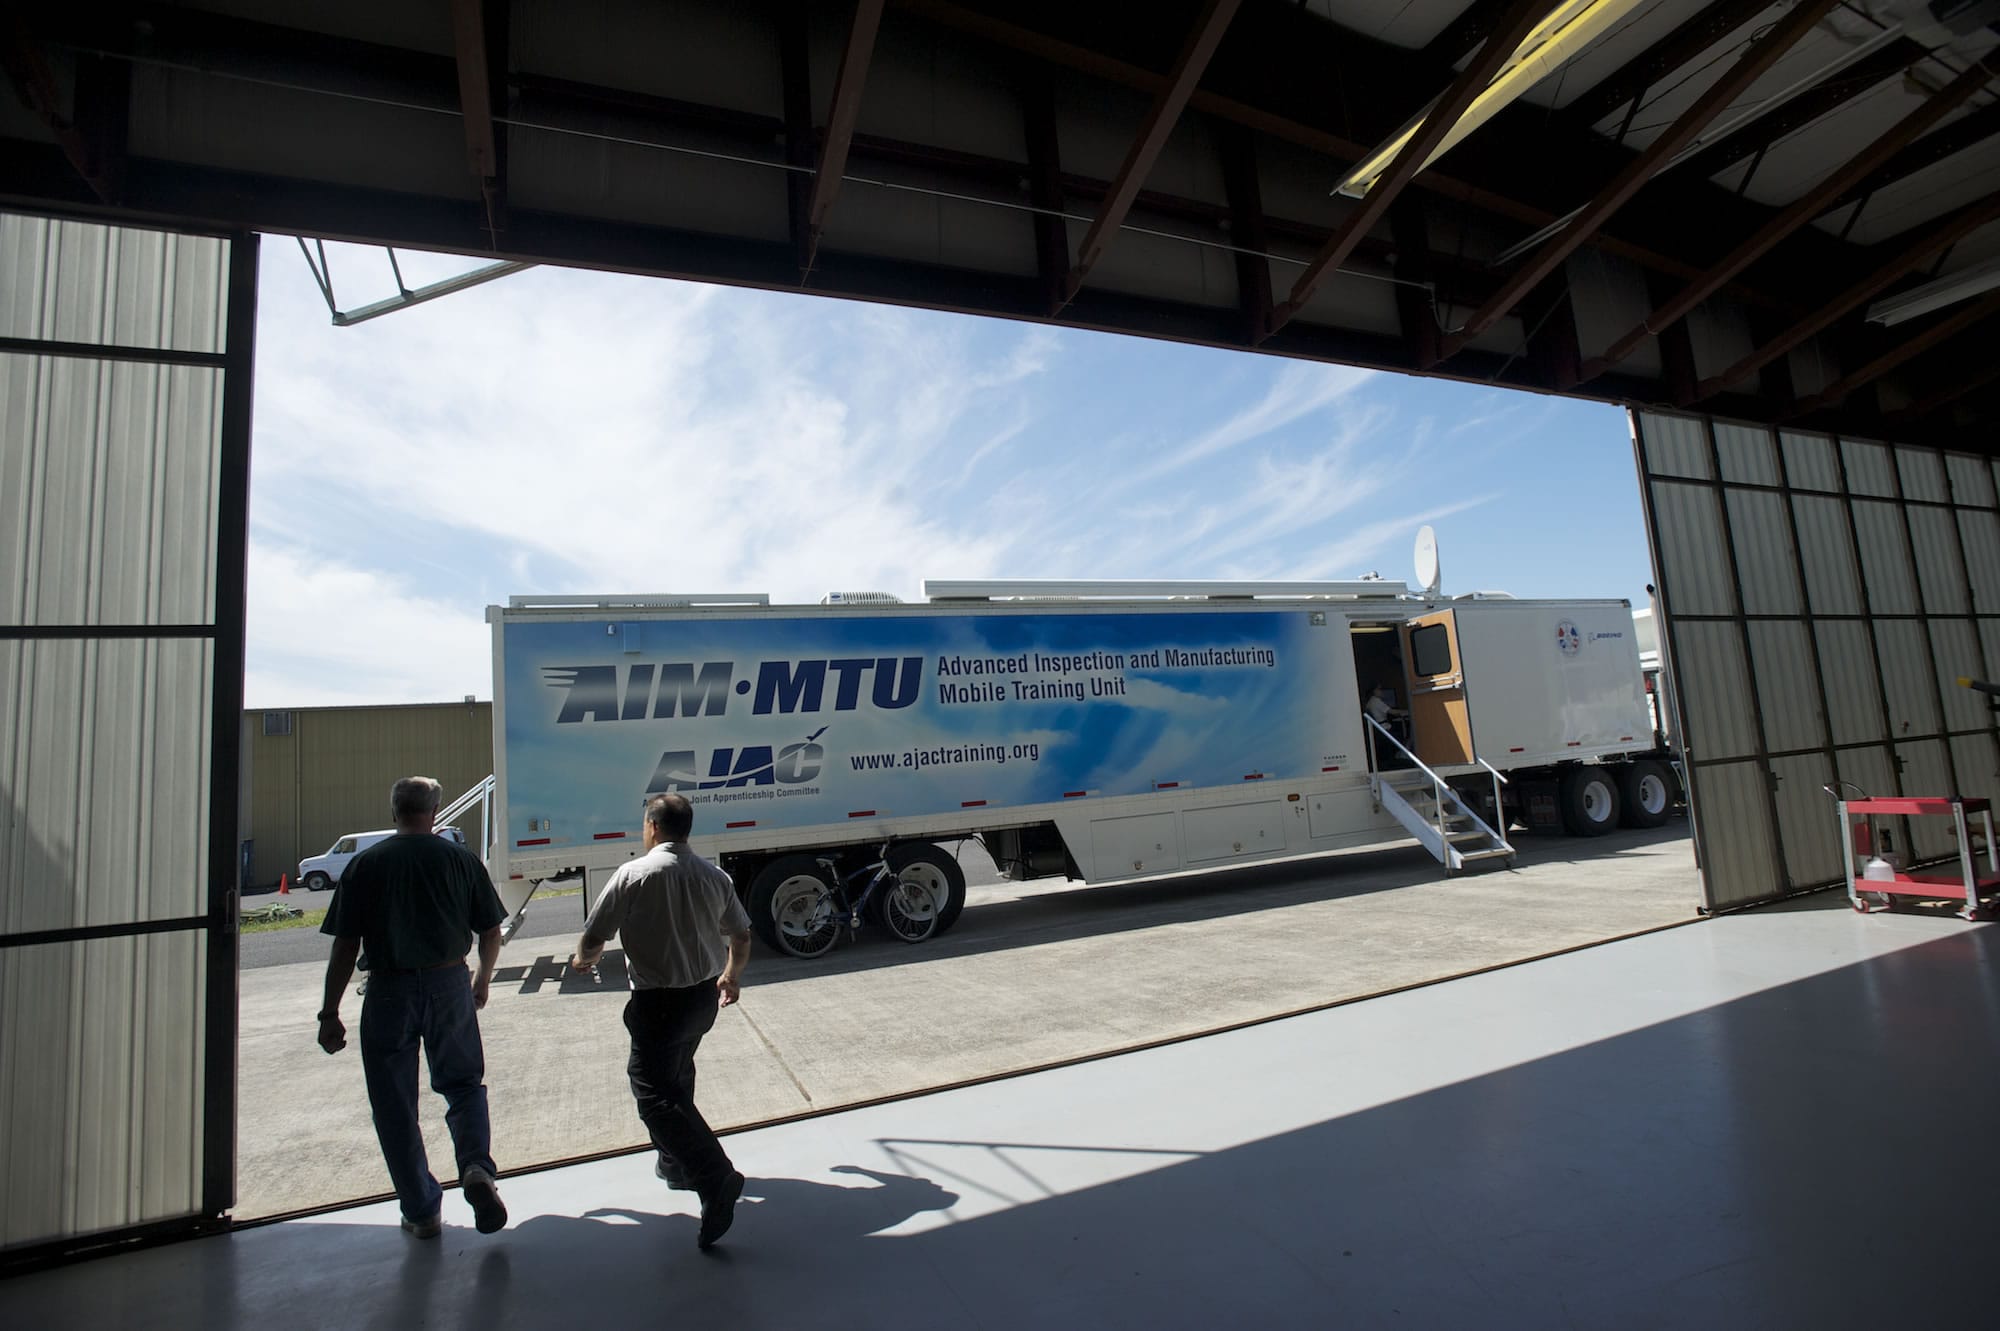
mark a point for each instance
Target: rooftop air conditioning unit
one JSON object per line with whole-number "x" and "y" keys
{"x": 860, "y": 598}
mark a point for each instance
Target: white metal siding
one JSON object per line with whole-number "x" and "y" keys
{"x": 1862, "y": 567}
{"x": 1748, "y": 455}
{"x": 1980, "y": 533}
{"x": 79, "y": 282}
{"x": 1971, "y": 480}
{"x": 1833, "y": 580}
{"x": 109, "y": 521}
{"x": 1811, "y": 462}
{"x": 1805, "y": 819}
{"x": 1885, "y": 558}
{"x": 1690, "y": 522}
{"x": 1869, "y": 469}
{"x": 1904, "y": 649}
{"x": 100, "y": 1073}
{"x": 1955, "y": 648}
{"x": 1764, "y": 563}
{"x": 1853, "y": 690}
{"x": 1922, "y": 474}
{"x": 106, "y": 780}
{"x": 108, "y": 487}
{"x": 1677, "y": 446}
{"x": 1940, "y": 577}
{"x": 1722, "y": 714}
{"x": 1782, "y": 654}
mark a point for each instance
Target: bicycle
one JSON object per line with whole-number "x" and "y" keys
{"x": 811, "y": 909}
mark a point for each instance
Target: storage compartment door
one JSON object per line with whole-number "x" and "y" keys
{"x": 1440, "y": 727}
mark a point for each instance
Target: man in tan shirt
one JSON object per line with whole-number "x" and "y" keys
{"x": 686, "y": 939}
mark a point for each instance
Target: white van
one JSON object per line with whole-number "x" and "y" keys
{"x": 323, "y": 870}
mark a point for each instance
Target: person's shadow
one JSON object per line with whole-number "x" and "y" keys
{"x": 622, "y": 1252}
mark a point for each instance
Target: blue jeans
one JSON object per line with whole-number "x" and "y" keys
{"x": 434, "y": 1007}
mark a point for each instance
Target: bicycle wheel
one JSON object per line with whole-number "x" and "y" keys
{"x": 792, "y": 907}
{"x": 911, "y": 906}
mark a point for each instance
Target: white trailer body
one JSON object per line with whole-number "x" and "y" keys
{"x": 1104, "y": 740}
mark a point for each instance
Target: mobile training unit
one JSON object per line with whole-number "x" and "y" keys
{"x": 1096, "y": 731}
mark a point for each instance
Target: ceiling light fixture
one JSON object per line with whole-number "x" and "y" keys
{"x": 1568, "y": 28}
{"x": 1947, "y": 290}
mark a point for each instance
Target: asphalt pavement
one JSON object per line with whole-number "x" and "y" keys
{"x": 546, "y": 917}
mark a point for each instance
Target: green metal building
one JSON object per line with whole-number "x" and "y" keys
{"x": 316, "y": 773}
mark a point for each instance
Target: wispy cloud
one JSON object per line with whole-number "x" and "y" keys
{"x": 1300, "y": 389}
{"x": 585, "y": 433}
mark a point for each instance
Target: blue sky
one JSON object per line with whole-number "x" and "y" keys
{"x": 564, "y": 431}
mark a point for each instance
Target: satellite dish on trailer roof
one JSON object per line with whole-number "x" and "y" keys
{"x": 1428, "y": 574}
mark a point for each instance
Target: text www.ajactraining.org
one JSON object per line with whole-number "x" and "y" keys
{"x": 947, "y": 755}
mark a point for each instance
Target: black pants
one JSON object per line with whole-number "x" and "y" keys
{"x": 666, "y": 1027}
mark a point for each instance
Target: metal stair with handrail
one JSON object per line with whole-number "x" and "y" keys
{"x": 1432, "y": 811}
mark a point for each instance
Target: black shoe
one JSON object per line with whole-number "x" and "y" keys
{"x": 673, "y": 1174}
{"x": 718, "y": 1209}
{"x": 488, "y": 1212}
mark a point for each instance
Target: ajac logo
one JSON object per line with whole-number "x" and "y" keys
{"x": 682, "y": 688}
{"x": 751, "y": 765}
{"x": 1568, "y": 641}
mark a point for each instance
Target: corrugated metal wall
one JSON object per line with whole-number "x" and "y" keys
{"x": 316, "y": 773}
{"x": 124, "y": 428}
{"x": 1819, "y": 598}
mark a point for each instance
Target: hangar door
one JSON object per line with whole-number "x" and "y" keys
{"x": 125, "y": 372}
{"x": 1819, "y": 598}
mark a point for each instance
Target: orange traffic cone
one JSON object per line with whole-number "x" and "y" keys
{"x": 284, "y": 884}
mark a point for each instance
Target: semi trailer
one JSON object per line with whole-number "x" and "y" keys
{"x": 1096, "y": 732}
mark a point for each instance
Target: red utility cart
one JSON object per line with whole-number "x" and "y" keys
{"x": 1967, "y": 885}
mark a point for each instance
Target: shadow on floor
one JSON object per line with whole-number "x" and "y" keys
{"x": 1804, "y": 1155}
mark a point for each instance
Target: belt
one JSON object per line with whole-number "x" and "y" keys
{"x": 413, "y": 970}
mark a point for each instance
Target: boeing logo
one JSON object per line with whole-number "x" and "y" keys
{"x": 685, "y": 688}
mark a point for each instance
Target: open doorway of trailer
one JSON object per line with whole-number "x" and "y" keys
{"x": 562, "y": 432}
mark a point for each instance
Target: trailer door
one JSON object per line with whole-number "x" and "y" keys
{"x": 1440, "y": 726}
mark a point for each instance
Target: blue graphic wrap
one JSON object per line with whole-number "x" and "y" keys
{"x": 798, "y": 721}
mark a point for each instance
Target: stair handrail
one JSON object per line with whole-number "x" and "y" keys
{"x": 1438, "y": 783}
{"x": 482, "y": 795}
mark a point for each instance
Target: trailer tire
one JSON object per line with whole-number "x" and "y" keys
{"x": 792, "y": 907}
{"x": 1646, "y": 793}
{"x": 1589, "y": 800}
{"x": 938, "y": 869}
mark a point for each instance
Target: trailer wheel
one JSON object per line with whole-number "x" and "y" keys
{"x": 935, "y": 870}
{"x": 1589, "y": 801}
{"x": 792, "y": 907}
{"x": 1646, "y": 793}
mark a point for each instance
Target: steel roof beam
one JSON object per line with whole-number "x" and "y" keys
{"x": 1798, "y": 214}
{"x": 477, "y": 41}
{"x": 1824, "y": 97}
{"x": 840, "y": 122}
{"x": 1685, "y": 44}
{"x": 1946, "y": 141}
{"x": 1906, "y": 349}
{"x": 1514, "y": 24}
{"x": 97, "y": 158}
{"x": 1460, "y": 37}
{"x": 1945, "y": 395}
{"x": 1752, "y": 65}
{"x": 1288, "y": 128}
{"x": 1949, "y": 232}
{"x": 1159, "y": 123}
{"x": 1246, "y": 228}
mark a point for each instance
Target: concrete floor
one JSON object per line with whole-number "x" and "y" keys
{"x": 1769, "y": 1120}
{"x": 1032, "y": 975}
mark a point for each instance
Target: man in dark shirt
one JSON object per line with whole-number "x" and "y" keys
{"x": 416, "y": 900}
